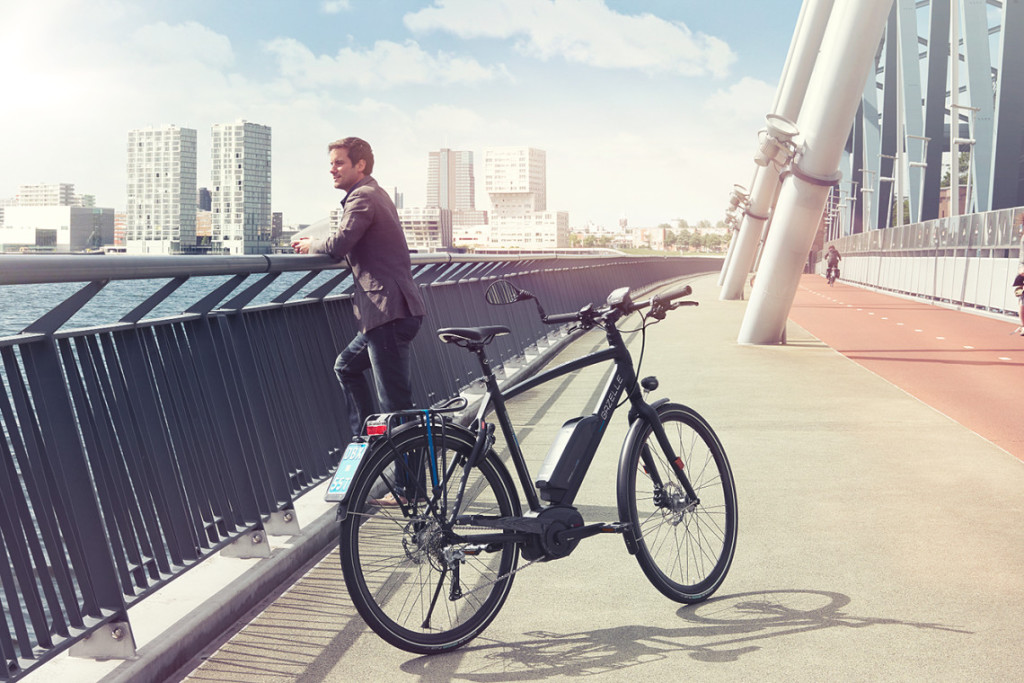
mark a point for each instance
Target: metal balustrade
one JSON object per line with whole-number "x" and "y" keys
{"x": 966, "y": 261}
{"x": 135, "y": 447}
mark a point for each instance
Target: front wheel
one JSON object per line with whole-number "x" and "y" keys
{"x": 419, "y": 582}
{"x": 684, "y": 545}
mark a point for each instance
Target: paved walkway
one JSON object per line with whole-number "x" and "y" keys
{"x": 879, "y": 540}
{"x": 965, "y": 365}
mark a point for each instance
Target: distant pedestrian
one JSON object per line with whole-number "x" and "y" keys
{"x": 386, "y": 300}
{"x": 1018, "y": 291}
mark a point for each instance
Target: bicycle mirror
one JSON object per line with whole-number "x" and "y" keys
{"x": 501, "y": 292}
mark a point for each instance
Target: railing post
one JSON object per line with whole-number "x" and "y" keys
{"x": 73, "y": 496}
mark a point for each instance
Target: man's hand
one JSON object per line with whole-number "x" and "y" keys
{"x": 301, "y": 246}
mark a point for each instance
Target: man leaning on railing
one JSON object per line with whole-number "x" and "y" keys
{"x": 387, "y": 302}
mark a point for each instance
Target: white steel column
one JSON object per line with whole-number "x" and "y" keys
{"x": 814, "y": 16}
{"x": 738, "y": 199}
{"x": 954, "y": 109}
{"x": 847, "y": 55}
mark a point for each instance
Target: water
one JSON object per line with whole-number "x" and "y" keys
{"x": 21, "y": 305}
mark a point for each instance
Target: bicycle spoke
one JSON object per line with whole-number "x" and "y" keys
{"x": 406, "y": 568}
{"x": 686, "y": 543}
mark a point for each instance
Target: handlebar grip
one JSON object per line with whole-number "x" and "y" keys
{"x": 673, "y": 293}
{"x": 559, "y": 318}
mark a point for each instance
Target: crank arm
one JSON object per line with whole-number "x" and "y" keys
{"x": 579, "y": 533}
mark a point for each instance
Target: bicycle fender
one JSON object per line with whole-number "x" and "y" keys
{"x": 380, "y": 442}
{"x": 633, "y": 415}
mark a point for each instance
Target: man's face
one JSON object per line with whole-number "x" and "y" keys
{"x": 344, "y": 173}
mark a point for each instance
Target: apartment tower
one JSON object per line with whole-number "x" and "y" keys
{"x": 53, "y": 194}
{"x": 516, "y": 180}
{"x": 160, "y": 213}
{"x": 450, "y": 180}
{"x": 241, "y": 188}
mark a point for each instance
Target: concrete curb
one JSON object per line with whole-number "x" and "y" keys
{"x": 188, "y": 637}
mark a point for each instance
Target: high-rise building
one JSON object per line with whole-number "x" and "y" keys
{"x": 54, "y": 194}
{"x": 160, "y": 214}
{"x": 241, "y": 188}
{"x": 427, "y": 229}
{"x": 450, "y": 183}
{"x": 516, "y": 180}
{"x": 276, "y": 225}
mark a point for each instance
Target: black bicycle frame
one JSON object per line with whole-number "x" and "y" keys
{"x": 624, "y": 379}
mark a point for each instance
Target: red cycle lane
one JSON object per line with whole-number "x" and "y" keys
{"x": 965, "y": 365}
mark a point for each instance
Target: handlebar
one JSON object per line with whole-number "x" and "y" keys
{"x": 623, "y": 305}
{"x": 676, "y": 292}
{"x": 560, "y": 318}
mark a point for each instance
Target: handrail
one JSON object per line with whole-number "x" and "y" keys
{"x": 964, "y": 261}
{"x": 18, "y": 269}
{"x": 142, "y": 445}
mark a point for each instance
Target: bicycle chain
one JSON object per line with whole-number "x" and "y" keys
{"x": 500, "y": 578}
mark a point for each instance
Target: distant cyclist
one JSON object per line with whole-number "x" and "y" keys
{"x": 1018, "y": 291}
{"x": 832, "y": 259}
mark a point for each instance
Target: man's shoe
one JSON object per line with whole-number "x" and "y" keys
{"x": 389, "y": 501}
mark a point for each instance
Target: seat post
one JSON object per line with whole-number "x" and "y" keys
{"x": 485, "y": 363}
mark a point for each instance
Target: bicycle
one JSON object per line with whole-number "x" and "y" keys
{"x": 831, "y": 273}
{"x": 430, "y": 572}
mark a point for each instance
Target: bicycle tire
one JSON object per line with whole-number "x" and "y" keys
{"x": 393, "y": 558}
{"x": 685, "y": 551}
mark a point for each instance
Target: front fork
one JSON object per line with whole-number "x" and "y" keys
{"x": 649, "y": 413}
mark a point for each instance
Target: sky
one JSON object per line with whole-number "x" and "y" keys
{"x": 646, "y": 109}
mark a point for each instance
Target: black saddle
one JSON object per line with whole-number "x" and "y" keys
{"x": 471, "y": 336}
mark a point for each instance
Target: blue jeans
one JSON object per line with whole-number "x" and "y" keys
{"x": 385, "y": 351}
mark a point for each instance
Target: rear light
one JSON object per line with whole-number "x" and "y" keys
{"x": 376, "y": 429}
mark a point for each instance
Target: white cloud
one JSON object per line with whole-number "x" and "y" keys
{"x": 335, "y": 6}
{"x": 741, "y": 100}
{"x": 162, "y": 43}
{"x": 387, "y": 64}
{"x": 84, "y": 82}
{"x": 581, "y": 31}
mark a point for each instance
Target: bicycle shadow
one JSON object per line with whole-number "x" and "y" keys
{"x": 720, "y": 630}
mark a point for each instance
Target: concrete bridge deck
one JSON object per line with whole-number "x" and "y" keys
{"x": 879, "y": 539}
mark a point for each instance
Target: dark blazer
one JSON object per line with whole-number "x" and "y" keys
{"x": 370, "y": 237}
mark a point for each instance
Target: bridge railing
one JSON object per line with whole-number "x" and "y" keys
{"x": 965, "y": 260}
{"x": 163, "y": 409}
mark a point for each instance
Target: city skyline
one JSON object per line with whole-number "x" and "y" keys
{"x": 647, "y": 110}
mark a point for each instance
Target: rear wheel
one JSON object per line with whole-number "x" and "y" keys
{"x": 417, "y": 581}
{"x": 685, "y": 546}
